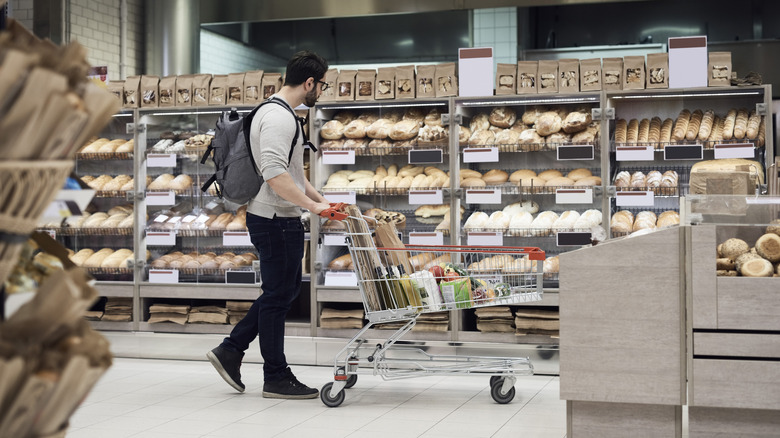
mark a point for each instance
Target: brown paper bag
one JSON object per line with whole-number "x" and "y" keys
{"x": 590, "y": 74}
{"x": 364, "y": 84}
{"x": 385, "y": 83}
{"x": 634, "y": 72}
{"x": 569, "y": 75}
{"x": 168, "y": 91}
{"x": 117, "y": 89}
{"x": 235, "y": 89}
{"x": 446, "y": 82}
{"x": 345, "y": 85}
{"x": 612, "y": 74}
{"x": 201, "y": 84}
{"x": 719, "y": 69}
{"x": 657, "y": 70}
{"x": 218, "y": 93}
{"x": 101, "y": 107}
{"x": 131, "y": 91}
{"x": 387, "y": 237}
{"x": 150, "y": 91}
{"x": 330, "y": 78}
{"x": 405, "y": 82}
{"x": 253, "y": 83}
{"x": 548, "y": 77}
{"x": 272, "y": 83}
{"x": 506, "y": 79}
{"x": 14, "y": 67}
{"x": 184, "y": 90}
{"x": 426, "y": 75}
{"x": 527, "y": 77}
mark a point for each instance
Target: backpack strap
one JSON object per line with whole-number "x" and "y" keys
{"x": 298, "y": 129}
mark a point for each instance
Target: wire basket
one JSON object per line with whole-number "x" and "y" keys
{"x": 26, "y": 190}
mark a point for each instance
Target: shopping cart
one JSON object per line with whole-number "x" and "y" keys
{"x": 397, "y": 285}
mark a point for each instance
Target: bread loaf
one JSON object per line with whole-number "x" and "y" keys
{"x": 694, "y": 124}
{"x": 588, "y": 181}
{"x": 464, "y": 134}
{"x": 548, "y": 123}
{"x": 654, "y": 131}
{"x": 498, "y": 220}
{"x": 740, "y": 124}
{"x": 477, "y": 220}
{"x": 542, "y": 224}
{"x": 566, "y": 220}
{"x": 578, "y": 174}
{"x": 181, "y": 182}
{"x": 589, "y": 219}
{"x": 117, "y": 183}
{"x": 666, "y": 131}
{"x": 126, "y": 147}
{"x": 520, "y": 174}
{"x": 502, "y": 116}
{"x": 757, "y": 267}
{"x": 644, "y": 131}
{"x": 99, "y": 182}
{"x": 162, "y": 182}
{"x": 560, "y": 181}
{"x": 729, "y": 124}
{"x": 480, "y": 121}
{"x": 549, "y": 174}
{"x": 380, "y": 129}
{"x": 621, "y": 131}
{"x": 638, "y": 180}
{"x": 632, "y": 132}
{"x": 530, "y": 140}
{"x": 534, "y": 184}
{"x": 482, "y": 137}
{"x": 522, "y": 206}
{"x": 404, "y": 130}
{"x": 110, "y": 146}
{"x": 531, "y": 114}
{"x": 753, "y": 125}
{"x": 621, "y": 223}
{"x": 733, "y": 248}
{"x": 681, "y": 125}
{"x": 356, "y": 129}
{"x": 520, "y": 221}
{"x": 473, "y": 182}
{"x": 495, "y": 177}
{"x": 623, "y": 179}
{"x": 507, "y": 137}
{"x": 576, "y": 121}
{"x": 554, "y": 140}
{"x": 768, "y": 247}
{"x": 332, "y": 130}
{"x": 705, "y": 128}
{"x": 432, "y": 210}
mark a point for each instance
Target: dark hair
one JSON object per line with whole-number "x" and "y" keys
{"x": 304, "y": 65}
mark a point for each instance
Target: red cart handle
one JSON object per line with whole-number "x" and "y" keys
{"x": 334, "y": 212}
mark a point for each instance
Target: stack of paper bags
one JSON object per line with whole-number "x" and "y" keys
{"x": 432, "y": 322}
{"x": 537, "y": 321}
{"x": 93, "y": 315}
{"x": 118, "y": 309}
{"x": 176, "y": 313}
{"x": 495, "y": 319}
{"x": 208, "y": 315}
{"x": 341, "y": 319}
{"x": 237, "y": 310}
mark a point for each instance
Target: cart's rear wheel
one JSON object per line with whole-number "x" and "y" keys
{"x": 351, "y": 381}
{"x": 494, "y": 379}
{"x": 495, "y": 392}
{"x": 329, "y": 401}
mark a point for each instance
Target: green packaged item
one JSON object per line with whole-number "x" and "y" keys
{"x": 457, "y": 291}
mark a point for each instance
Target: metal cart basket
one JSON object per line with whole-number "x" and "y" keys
{"x": 399, "y": 284}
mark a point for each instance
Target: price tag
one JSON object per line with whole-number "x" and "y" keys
{"x": 344, "y": 278}
{"x": 418, "y": 197}
{"x": 161, "y": 160}
{"x": 486, "y": 196}
{"x": 683, "y": 152}
{"x": 480, "y": 155}
{"x": 241, "y": 277}
{"x": 338, "y": 157}
{"x": 736, "y": 150}
{"x": 334, "y": 239}
{"x": 345, "y": 197}
{"x": 575, "y": 152}
{"x": 161, "y": 198}
{"x": 569, "y": 238}
{"x": 435, "y": 238}
{"x": 161, "y": 238}
{"x": 487, "y": 238}
{"x": 574, "y": 196}
{"x": 425, "y": 156}
{"x": 163, "y": 276}
{"x": 634, "y": 153}
{"x": 51, "y": 233}
{"x": 61, "y": 209}
{"x": 635, "y": 199}
{"x": 236, "y": 238}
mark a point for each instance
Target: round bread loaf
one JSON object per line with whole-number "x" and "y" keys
{"x": 560, "y": 181}
{"x": 548, "y": 123}
{"x": 404, "y": 130}
{"x": 531, "y": 139}
{"x": 341, "y": 263}
{"x": 464, "y": 134}
{"x": 502, "y": 116}
{"x": 774, "y": 227}
{"x": 768, "y": 247}
{"x": 469, "y": 173}
{"x": 578, "y": 174}
{"x": 369, "y": 118}
{"x": 517, "y": 175}
{"x": 531, "y": 114}
{"x": 473, "y": 182}
{"x": 332, "y": 130}
{"x": 380, "y": 129}
{"x": 481, "y": 137}
{"x": 588, "y": 181}
{"x": 433, "y": 118}
{"x": 508, "y": 137}
{"x": 480, "y": 121}
{"x": 549, "y": 174}
{"x": 495, "y": 176}
{"x": 532, "y": 183}
{"x": 733, "y": 248}
{"x": 757, "y": 267}
{"x": 356, "y": 129}
{"x": 344, "y": 117}
{"x": 576, "y": 121}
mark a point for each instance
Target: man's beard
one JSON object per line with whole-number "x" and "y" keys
{"x": 311, "y": 98}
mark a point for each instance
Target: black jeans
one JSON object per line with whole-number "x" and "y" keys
{"x": 280, "y": 243}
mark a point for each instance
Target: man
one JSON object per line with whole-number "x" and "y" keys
{"x": 274, "y": 222}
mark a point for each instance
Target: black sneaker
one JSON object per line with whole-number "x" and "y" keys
{"x": 228, "y": 365}
{"x": 288, "y": 387}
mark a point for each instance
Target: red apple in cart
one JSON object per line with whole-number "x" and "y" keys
{"x": 438, "y": 272}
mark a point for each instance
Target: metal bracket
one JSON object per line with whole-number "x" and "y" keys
{"x": 132, "y": 128}
{"x": 603, "y": 113}
{"x": 134, "y": 196}
{"x": 317, "y": 123}
{"x": 761, "y": 109}
{"x": 446, "y": 119}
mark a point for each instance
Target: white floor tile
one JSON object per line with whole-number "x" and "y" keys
{"x": 182, "y": 426}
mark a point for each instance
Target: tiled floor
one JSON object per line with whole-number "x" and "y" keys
{"x": 176, "y": 399}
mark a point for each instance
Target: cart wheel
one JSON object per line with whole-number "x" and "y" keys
{"x": 351, "y": 380}
{"x": 495, "y": 392}
{"x": 494, "y": 379}
{"x": 332, "y": 402}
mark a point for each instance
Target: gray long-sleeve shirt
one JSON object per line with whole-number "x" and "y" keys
{"x": 273, "y": 128}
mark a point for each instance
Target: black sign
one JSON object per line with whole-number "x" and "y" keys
{"x": 683, "y": 152}
{"x": 424, "y": 156}
{"x": 573, "y": 238}
{"x": 576, "y": 152}
{"x": 241, "y": 277}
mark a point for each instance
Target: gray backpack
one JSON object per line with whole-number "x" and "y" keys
{"x": 236, "y": 178}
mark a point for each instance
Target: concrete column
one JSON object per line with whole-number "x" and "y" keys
{"x": 173, "y": 37}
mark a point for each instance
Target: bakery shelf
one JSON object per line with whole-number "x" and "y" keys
{"x": 338, "y": 295}
{"x": 506, "y": 338}
{"x": 122, "y": 289}
{"x": 291, "y": 328}
{"x": 708, "y": 145}
{"x": 112, "y": 193}
{"x": 95, "y": 156}
{"x": 111, "y": 274}
{"x": 677, "y": 93}
{"x": 382, "y": 104}
{"x": 531, "y": 147}
{"x": 81, "y": 232}
{"x": 530, "y": 99}
{"x": 201, "y": 291}
{"x": 382, "y": 334}
{"x": 112, "y": 326}
{"x": 402, "y": 148}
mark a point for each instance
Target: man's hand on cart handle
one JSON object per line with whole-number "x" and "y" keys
{"x": 335, "y": 211}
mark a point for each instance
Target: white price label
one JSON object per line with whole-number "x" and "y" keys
{"x": 163, "y": 276}
{"x": 161, "y": 198}
{"x": 334, "y": 239}
{"x": 161, "y": 160}
{"x": 345, "y": 197}
{"x": 480, "y": 155}
{"x": 188, "y": 219}
{"x": 736, "y": 150}
{"x": 338, "y": 157}
{"x": 435, "y": 238}
{"x": 417, "y": 197}
{"x": 161, "y": 238}
{"x": 51, "y": 233}
{"x": 161, "y": 218}
{"x": 635, "y": 199}
{"x": 483, "y": 196}
{"x": 574, "y": 196}
{"x": 236, "y": 238}
{"x": 488, "y": 238}
{"x": 345, "y": 278}
{"x": 634, "y": 153}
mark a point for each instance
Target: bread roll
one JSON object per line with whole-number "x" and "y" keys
{"x": 588, "y": 181}
{"x": 705, "y": 129}
{"x": 757, "y": 267}
{"x": 522, "y": 206}
{"x": 162, "y": 182}
{"x": 482, "y": 137}
{"x": 550, "y": 174}
{"x": 548, "y": 123}
{"x": 694, "y": 124}
{"x": 560, "y": 181}
{"x": 733, "y": 248}
{"x": 479, "y": 122}
{"x": 181, "y": 182}
{"x": 477, "y": 220}
{"x": 644, "y": 131}
{"x": 542, "y": 224}
{"x": 566, "y": 220}
{"x": 93, "y": 147}
{"x": 621, "y": 131}
{"x": 473, "y": 182}
{"x": 587, "y": 136}
{"x": 753, "y": 125}
{"x": 519, "y": 222}
{"x": 740, "y": 124}
{"x": 768, "y": 247}
{"x": 632, "y": 132}
{"x": 498, "y": 221}
{"x": 502, "y": 116}
{"x": 589, "y": 219}
{"x": 332, "y": 130}
{"x": 533, "y": 183}
{"x": 495, "y": 177}
{"x": 729, "y": 124}
{"x": 520, "y": 174}
{"x": 578, "y": 174}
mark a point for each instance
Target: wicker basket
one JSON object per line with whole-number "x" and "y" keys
{"x": 27, "y": 188}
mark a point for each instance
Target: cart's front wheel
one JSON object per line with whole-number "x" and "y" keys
{"x": 351, "y": 381}
{"x": 336, "y": 401}
{"x": 495, "y": 392}
{"x": 494, "y": 379}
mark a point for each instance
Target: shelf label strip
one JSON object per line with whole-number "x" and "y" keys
{"x": 435, "y": 238}
{"x": 634, "y": 153}
{"x": 161, "y": 160}
{"x": 485, "y": 239}
{"x": 483, "y": 196}
{"x": 236, "y": 238}
{"x": 635, "y": 199}
{"x": 418, "y": 197}
{"x": 480, "y": 155}
{"x": 334, "y": 239}
{"x": 345, "y": 279}
{"x": 574, "y": 196}
{"x": 736, "y": 150}
{"x": 161, "y": 238}
{"x": 338, "y": 157}
{"x": 163, "y": 276}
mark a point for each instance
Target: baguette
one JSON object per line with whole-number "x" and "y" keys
{"x": 666, "y": 132}
{"x": 620, "y": 131}
{"x": 740, "y": 124}
{"x": 717, "y": 133}
{"x": 707, "y": 121}
{"x": 644, "y": 131}
{"x": 654, "y": 133}
{"x": 754, "y": 123}
{"x": 693, "y": 125}
{"x": 728, "y": 124}
{"x": 681, "y": 125}
{"x": 632, "y": 133}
